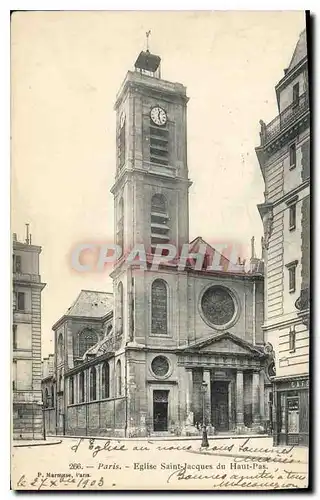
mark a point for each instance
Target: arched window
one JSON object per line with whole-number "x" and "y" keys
{"x": 120, "y": 225}
{"x": 71, "y": 391}
{"x": 159, "y": 307}
{"x": 120, "y": 305}
{"x": 159, "y": 221}
{"x": 81, "y": 387}
{"x": 87, "y": 338}
{"x": 46, "y": 398}
{"x": 60, "y": 347}
{"x": 52, "y": 396}
{"x": 118, "y": 378}
{"x": 93, "y": 384}
{"x": 105, "y": 381}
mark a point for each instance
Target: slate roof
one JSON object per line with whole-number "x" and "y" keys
{"x": 300, "y": 51}
{"x": 91, "y": 304}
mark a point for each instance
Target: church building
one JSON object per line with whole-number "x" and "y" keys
{"x": 176, "y": 346}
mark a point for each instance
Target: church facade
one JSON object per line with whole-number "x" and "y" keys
{"x": 180, "y": 345}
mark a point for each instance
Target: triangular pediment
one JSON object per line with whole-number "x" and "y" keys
{"x": 224, "y": 343}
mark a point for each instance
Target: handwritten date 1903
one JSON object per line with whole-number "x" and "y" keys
{"x": 46, "y": 482}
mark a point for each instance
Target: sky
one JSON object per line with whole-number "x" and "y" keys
{"x": 66, "y": 68}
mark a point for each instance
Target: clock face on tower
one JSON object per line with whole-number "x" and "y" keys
{"x": 158, "y": 115}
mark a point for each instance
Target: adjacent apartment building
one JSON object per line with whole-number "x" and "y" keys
{"x": 284, "y": 157}
{"x": 26, "y": 341}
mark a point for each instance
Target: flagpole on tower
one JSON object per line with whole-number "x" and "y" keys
{"x": 148, "y": 33}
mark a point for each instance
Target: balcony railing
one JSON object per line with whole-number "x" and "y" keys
{"x": 287, "y": 116}
{"x": 35, "y": 278}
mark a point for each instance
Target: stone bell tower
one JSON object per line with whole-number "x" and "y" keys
{"x": 151, "y": 181}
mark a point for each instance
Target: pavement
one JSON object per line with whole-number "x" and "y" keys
{"x": 22, "y": 443}
{"x": 170, "y": 438}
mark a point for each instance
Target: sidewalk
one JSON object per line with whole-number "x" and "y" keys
{"x": 37, "y": 442}
{"x": 169, "y": 438}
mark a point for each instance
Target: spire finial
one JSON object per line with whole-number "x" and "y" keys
{"x": 148, "y": 33}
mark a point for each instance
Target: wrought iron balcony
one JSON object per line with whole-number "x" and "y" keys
{"x": 285, "y": 118}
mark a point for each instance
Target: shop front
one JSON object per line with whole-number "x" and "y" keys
{"x": 291, "y": 411}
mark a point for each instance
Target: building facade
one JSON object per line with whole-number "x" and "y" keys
{"x": 181, "y": 345}
{"x": 284, "y": 157}
{"x": 26, "y": 341}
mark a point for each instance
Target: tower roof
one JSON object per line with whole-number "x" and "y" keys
{"x": 300, "y": 51}
{"x": 147, "y": 61}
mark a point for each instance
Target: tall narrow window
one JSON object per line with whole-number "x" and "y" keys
{"x": 14, "y": 336}
{"x": 292, "y": 266}
{"x": 120, "y": 306}
{"x": 159, "y": 220}
{"x": 292, "y": 279}
{"x": 17, "y": 263}
{"x": 14, "y": 374}
{"x": 118, "y": 378}
{"x": 71, "y": 390}
{"x": 292, "y": 339}
{"x": 159, "y": 307}
{"x": 105, "y": 381}
{"x": 46, "y": 398}
{"x": 292, "y": 155}
{"x": 159, "y": 143}
{"x": 81, "y": 387}
{"x": 295, "y": 94}
{"x": 52, "y": 396}
{"x": 93, "y": 384}
{"x": 86, "y": 339}
{"x": 122, "y": 141}
{"x": 120, "y": 226}
{"x": 60, "y": 348}
{"x": 21, "y": 301}
{"x": 292, "y": 216}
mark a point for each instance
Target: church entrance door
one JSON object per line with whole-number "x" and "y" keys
{"x": 160, "y": 410}
{"x": 220, "y": 405}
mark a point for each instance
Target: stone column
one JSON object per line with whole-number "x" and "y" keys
{"x": 189, "y": 390}
{"x": 207, "y": 397}
{"x": 256, "y": 417}
{"x": 230, "y": 405}
{"x": 239, "y": 400}
{"x": 188, "y": 428}
{"x": 263, "y": 410}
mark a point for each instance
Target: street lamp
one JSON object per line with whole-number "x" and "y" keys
{"x": 205, "y": 442}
